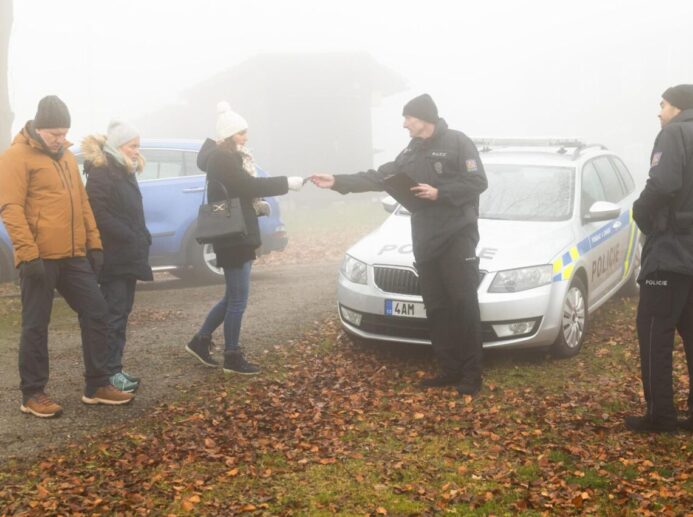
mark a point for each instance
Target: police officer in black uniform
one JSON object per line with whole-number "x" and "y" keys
{"x": 445, "y": 165}
{"x": 664, "y": 213}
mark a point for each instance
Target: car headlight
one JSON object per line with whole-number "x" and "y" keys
{"x": 354, "y": 270}
{"x": 514, "y": 280}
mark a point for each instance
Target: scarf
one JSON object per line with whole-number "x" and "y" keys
{"x": 249, "y": 167}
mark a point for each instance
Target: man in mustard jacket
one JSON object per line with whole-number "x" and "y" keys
{"x": 45, "y": 209}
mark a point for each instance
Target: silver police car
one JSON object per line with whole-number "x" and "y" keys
{"x": 557, "y": 241}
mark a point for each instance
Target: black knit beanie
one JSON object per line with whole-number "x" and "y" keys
{"x": 52, "y": 113}
{"x": 680, "y": 96}
{"x": 423, "y": 108}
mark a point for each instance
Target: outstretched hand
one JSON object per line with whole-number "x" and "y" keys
{"x": 425, "y": 191}
{"x": 323, "y": 180}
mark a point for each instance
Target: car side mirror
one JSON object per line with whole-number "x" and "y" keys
{"x": 389, "y": 204}
{"x": 602, "y": 211}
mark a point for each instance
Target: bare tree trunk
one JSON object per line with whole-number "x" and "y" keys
{"x": 6, "y": 115}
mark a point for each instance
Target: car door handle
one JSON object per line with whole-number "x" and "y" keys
{"x": 617, "y": 224}
{"x": 195, "y": 189}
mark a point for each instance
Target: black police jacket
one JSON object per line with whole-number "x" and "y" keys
{"x": 664, "y": 210}
{"x": 448, "y": 161}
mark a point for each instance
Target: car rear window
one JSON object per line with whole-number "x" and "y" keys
{"x": 527, "y": 193}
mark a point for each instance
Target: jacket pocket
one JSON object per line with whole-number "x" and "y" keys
{"x": 656, "y": 295}
{"x": 443, "y": 163}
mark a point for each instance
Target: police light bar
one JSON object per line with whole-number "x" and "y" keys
{"x": 487, "y": 144}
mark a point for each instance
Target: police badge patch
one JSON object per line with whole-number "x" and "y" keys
{"x": 471, "y": 165}
{"x": 438, "y": 167}
{"x": 655, "y": 159}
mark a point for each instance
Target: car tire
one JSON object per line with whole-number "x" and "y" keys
{"x": 574, "y": 320}
{"x": 632, "y": 287}
{"x": 202, "y": 261}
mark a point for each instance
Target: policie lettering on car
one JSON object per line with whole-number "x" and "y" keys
{"x": 606, "y": 263}
{"x": 406, "y": 249}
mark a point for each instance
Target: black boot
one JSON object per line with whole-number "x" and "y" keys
{"x": 444, "y": 379}
{"x": 644, "y": 424}
{"x": 469, "y": 388}
{"x": 199, "y": 348}
{"x": 686, "y": 425}
{"x": 234, "y": 362}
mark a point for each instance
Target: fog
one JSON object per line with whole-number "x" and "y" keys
{"x": 593, "y": 70}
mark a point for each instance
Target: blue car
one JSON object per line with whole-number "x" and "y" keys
{"x": 7, "y": 270}
{"x": 172, "y": 188}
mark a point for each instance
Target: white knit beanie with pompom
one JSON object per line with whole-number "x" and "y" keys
{"x": 228, "y": 122}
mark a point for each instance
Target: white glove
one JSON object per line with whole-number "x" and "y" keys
{"x": 295, "y": 182}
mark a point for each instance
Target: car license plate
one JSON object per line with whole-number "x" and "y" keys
{"x": 404, "y": 309}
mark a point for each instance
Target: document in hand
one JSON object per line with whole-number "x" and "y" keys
{"x": 399, "y": 187}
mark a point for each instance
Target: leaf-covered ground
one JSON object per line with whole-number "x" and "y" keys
{"x": 332, "y": 427}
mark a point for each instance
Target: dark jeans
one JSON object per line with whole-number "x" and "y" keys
{"x": 666, "y": 305}
{"x": 230, "y": 309}
{"x": 75, "y": 281}
{"x": 120, "y": 295}
{"x": 449, "y": 289}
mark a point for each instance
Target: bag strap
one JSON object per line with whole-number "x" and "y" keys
{"x": 205, "y": 196}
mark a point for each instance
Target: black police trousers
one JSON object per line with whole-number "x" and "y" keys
{"x": 666, "y": 305}
{"x": 75, "y": 280}
{"x": 449, "y": 289}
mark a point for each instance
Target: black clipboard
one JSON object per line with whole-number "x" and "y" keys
{"x": 399, "y": 187}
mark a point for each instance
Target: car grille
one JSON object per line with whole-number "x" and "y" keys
{"x": 412, "y": 328}
{"x": 393, "y": 280}
{"x": 401, "y": 281}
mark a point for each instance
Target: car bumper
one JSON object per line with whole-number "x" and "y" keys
{"x": 525, "y": 319}
{"x": 276, "y": 241}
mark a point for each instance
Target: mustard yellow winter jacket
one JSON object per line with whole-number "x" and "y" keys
{"x": 43, "y": 203}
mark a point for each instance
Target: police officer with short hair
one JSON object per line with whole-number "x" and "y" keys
{"x": 664, "y": 213}
{"x": 449, "y": 177}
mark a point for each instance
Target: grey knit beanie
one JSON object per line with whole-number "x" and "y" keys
{"x": 120, "y": 133}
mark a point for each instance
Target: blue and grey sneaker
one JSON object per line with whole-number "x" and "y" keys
{"x": 131, "y": 378}
{"x": 122, "y": 383}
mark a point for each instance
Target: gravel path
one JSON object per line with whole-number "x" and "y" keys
{"x": 284, "y": 301}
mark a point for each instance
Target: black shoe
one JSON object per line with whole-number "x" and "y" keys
{"x": 234, "y": 362}
{"x": 686, "y": 425}
{"x": 199, "y": 348}
{"x": 469, "y": 389}
{"x": 444, "y": 379}
{"x": 643, "y": 424}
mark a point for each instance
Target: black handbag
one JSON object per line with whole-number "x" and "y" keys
{"x": 220, "y": 220}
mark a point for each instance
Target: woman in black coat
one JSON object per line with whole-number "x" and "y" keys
{"x": 115, "y": 198}
{"x": 228, "y": 163}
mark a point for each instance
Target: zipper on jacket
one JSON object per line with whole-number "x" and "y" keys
{"x": 61, "y": 173}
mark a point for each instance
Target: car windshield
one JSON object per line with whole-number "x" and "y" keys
{"x": 527, "y": 193}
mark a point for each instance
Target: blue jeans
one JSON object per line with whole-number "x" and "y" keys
{"x": 230, "y": 309}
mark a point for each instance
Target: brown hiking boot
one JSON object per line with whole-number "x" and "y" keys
{"x": 41, "y": 405}
{"x": 109, "y": 395}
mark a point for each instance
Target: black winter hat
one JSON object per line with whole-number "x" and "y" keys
{"x": 423, "y": 108}
{"x": 51, "y": 113}
{"x": 680, "y": 96}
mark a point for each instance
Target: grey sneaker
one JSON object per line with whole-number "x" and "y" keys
{"x": 131, "y": 378}
{"x": 120, "y": 381}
